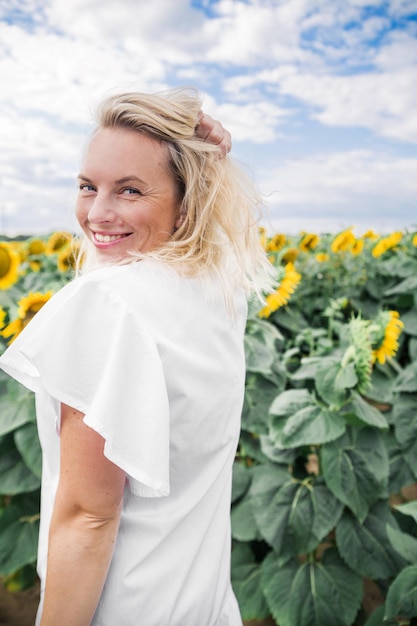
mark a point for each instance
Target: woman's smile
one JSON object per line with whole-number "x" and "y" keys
{"x": 105, "y": 238}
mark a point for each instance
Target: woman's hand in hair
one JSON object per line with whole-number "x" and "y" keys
{"x": 212, "y": 131}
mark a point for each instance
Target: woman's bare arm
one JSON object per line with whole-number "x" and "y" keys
{"x": 84, "y": 524}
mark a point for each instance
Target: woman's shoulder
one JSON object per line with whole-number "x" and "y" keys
{"x": 130, "y": 285}
{"x": 150, "y": 288}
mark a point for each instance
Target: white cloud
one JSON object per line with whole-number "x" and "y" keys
{"x": 341, "y": 189}
{"x": 383, "y": 102}
{"x": 255, "y": 122}
{"x": 244, "y": 32}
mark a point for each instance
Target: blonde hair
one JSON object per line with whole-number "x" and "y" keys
{"x": 220, "y": 206}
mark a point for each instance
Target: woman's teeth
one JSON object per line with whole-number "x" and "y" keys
{"x": 107, "y": 238}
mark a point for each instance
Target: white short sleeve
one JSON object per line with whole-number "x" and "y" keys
{"x": 86, "y": 348}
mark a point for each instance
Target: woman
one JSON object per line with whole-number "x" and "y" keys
{"x": 138, "y": 368}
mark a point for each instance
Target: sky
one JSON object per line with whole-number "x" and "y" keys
{"x": 320, "y": 97}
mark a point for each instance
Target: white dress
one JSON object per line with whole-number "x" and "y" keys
{"x": 157, "y": 365}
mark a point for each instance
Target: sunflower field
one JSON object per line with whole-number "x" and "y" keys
{"x": 324, "y": 514}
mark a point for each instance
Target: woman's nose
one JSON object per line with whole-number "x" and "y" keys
{"x": 100, "y": 209}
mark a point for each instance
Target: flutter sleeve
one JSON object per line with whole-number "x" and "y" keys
{"x": 88, "y": 349}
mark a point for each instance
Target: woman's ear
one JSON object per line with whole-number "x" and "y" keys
{"x": 180, "y": 219}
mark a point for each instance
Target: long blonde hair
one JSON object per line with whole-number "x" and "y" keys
{"x": 220, "y": 206}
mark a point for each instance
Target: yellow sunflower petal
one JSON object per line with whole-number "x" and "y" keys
{"x": 283, "y": 293}
{"x": 57, "y": 241}
{"x": 309, "y": 242}
{"x": 389, "y": 345}
{"x": 12, "y": 330}
{"x": 3, "y": 316}
{"x": 9, "y": 265}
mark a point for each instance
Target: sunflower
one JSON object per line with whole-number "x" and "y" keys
{"x": 322, "y": 257}
{"x": 28, "y": 307}
{"x": 19, "y": 248}
{"x": 370, "y": 234}
{"x": 357, "y": 246}
{"x": 290, "y": 255}
{"x": 343, "y": 241}
{"x": 67, "y": 257}
{"x": 387, "y": 329}
{"x": 309, "y": 242}
{"x": 414, "y": 240}
{"x": 283, "y": 293}
{"x": 57, "y": 241}
{"x": 35, "y": 247}
{"x": 35, "y": 266}
{"x": 386, "y": 243}
{"x": 275, "y": 243}
{"x": 9, "y": 265}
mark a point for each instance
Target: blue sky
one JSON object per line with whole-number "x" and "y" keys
{"x": 320, "y": 97}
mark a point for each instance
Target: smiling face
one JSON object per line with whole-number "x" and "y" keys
{"x": 128, "y": 199}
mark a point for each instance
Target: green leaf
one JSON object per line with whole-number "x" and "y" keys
{"x": 290, "y": 401}
{"x": 15, "y": 477}
{"x": 259, "y": 395}
{"x": 412, "y": 348}
{"x": 22, "y": 536}
{"x": 246, "y": 582}
{"x": 329, "y": 383}
{"x": 259, "y": 357}
{"x": 17, "y": 407}
{"x": 381, "y": 385}
{"x": 347, "y": 377}
{"x": 408, "y": 508}
{"x": 404, "y": 544}
{"x": 404, "y": 414}
{"x": 355, "y": 468}
{"x": 250, "y": 447}
{"x": 368, "y": 413}
{"x": 267, "y": 479}
{"x": 27, "y": 443}
{"x": 290, "y": 318}
{"x": 377, "y": 617}
{"x": 242, "y": 554}
{"x": 19, "y": 528}
{"x": 409, "y": 285}
{"x": 244, "y": 527}
{"x": 402, "y": 595}
{"x": 400, "y": 473}
{"x": 407, "y": 379}
{"x": 277, "y": 455}
{"x": 365, "y": 547}
{"x": 260, "y": 345}
{"x": 308, "y": 368}
{"x": 410, "y": 322}
{"x": 293, "y": 516}
{"x": 312, "y": 594}
{"x": 241, "y": 480}
{"x": 310, "y": 425}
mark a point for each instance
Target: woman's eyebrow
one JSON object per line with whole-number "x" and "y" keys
{"x": 126, "y": 179}
{"x": 119, "y": 181}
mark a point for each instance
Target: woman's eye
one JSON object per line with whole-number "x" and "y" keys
{"x": 131, "y": 191}
{"x": 86, "y": 187}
